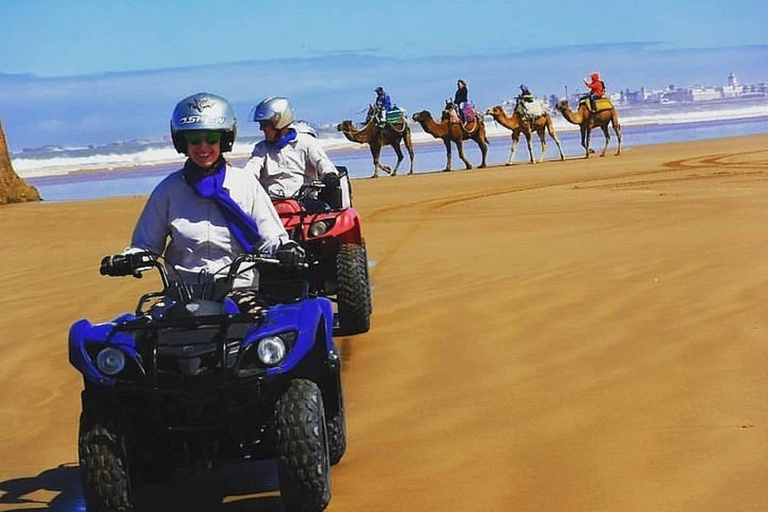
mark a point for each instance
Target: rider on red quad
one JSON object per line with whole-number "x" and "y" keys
{"x": 287, "y": 159}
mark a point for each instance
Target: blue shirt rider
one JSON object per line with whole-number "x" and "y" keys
{"x": 383, "y": 104}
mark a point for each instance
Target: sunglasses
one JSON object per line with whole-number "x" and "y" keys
{"x": 195, "y": 138}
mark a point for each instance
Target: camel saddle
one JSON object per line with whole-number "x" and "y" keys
{"x": 395, "y": 115}
{"x": 452, "y": 114}
{"x": 531, "y": 110}
{"x": 600, "y": 103}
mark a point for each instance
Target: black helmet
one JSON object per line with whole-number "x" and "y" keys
{"x": 203, "y": 111}
{"x": 379, "y": 89}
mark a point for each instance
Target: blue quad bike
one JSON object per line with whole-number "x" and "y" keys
{"x": 190, "y": 381}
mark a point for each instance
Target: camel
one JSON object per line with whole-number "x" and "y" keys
{"x": 376, "y": 138}
{"x": 456, "y": 132}
{"x": 518, "y": 125}
{"x": 588, "y": 120}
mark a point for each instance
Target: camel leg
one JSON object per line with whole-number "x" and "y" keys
{"x": 585, "y": 140}
{"x": 447, "y": 143}
{"x": 543, "y": 141}
{"x": 399, "y": 153}
{"x": 552, "y": 134}
{"x": 515, "y": 142}
{"x": 528, "y": 143}
{"x": 460, "y": 147}
{"x": 607, "y": 138}
{"x": 376, "y": 153}
{"x": 409, "y": 147}
{"x": 617, "y": 129}
{"x": 483, "y": 143}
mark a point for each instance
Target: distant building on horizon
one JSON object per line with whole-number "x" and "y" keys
{"x": 672, "y": 94}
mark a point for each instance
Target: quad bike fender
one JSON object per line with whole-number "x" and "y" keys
{"x": 84, "y": 335}
{"x": 304, "y": 317}
{"x": 347, "y": 227}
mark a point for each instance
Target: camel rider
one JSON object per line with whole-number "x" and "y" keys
{"x": 596, "y": 89}
{"x": 460, "y": 98}
{"x": 523, "y": 99}
{"x": 525, "y": 94}
{"x": 383, "y": 104}
{"x": 287, "y": 159}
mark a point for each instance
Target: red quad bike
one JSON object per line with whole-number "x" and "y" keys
{"x": 335, "y": 246}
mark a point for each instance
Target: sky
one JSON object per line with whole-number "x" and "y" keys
{"x": 91, "y": 72}
{"x": 51, "y": 38}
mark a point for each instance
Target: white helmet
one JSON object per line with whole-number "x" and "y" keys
{"x": 276, "y": 109}
{"x": 203, "y": 111}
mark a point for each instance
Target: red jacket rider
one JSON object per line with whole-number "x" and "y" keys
{"x": 596, "y": 89}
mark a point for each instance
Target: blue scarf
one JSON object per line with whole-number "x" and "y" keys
{"x": 211, "y": 186}
{"x": 284, "y": 140}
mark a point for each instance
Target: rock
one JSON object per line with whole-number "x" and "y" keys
{"x": 12, "y": 188}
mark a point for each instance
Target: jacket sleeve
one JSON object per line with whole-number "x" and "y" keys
{"x": 255, "y": 164}
{"x": 271, "y": 228}
{"x": 152, "y": 228}
{"x": 319, "y": 159}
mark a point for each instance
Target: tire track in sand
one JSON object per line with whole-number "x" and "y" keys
{"x": 422, "y": 212}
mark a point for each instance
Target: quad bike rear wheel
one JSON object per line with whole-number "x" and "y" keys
{"x": 353, "y": 290}
{"x": 104, "y": 463}
{"x": 301, "y": 438}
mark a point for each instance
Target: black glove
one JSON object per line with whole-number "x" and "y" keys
{"x": 290, "y": 254}
{"x": 118, "y": 265}
{"x": 331, "y": 193}
{"x": 331, "y": 180}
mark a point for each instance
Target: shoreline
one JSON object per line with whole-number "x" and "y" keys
{"x": 127, "y": 161}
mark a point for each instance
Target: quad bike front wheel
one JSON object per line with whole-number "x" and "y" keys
{"x": 353, "y": 289}
{"x": 104, "y": 463}
{"x": 337, "y": 433}
{"x": 301, "y": 437}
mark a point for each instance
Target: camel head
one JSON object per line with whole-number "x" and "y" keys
{"x": 422, "y": 116}
{"x": 345, "y": 126}
{"x": 496, "y": 112}
{"x": 562, "y": 106}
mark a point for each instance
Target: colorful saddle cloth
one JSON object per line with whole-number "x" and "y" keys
{"x": 468, "y": 114}
{"x": 395, "y": 115}
{"x": 600, "y": 103}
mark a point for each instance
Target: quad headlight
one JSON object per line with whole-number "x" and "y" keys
{"x": 110, "y": 361}
{"x": 318, "y": 228}
{"x": 271, "y": 350}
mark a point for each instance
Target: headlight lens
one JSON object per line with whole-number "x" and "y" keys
{"x": 110, "y": 361}
{"x": 318, "y": 228}
{"x": 271, "y": 350}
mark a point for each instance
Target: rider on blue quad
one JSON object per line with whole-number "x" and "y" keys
{"x": 209, "y": 369}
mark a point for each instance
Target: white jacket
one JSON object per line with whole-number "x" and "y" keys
{"x": 283, "y": 171}
{"x": 199, "y": 243}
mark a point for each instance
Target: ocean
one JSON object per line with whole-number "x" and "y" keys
{"x": 134, "y": 168}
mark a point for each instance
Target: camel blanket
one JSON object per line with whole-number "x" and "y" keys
{"x": 395, "y": 115}
{"x": 600, "y": 103}
{"x": 533, "y": 109}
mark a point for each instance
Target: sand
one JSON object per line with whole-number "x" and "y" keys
{"x": 587, "y": 335}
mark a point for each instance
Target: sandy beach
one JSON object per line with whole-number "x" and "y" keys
{"x": 578, "y": 336}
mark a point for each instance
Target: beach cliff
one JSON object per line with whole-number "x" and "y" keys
{"x": 12, "y": 188}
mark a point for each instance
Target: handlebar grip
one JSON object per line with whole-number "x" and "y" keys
{"x": 118, "y": 265}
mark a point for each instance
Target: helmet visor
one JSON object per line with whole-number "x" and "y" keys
{"x": 198, "y": 136}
